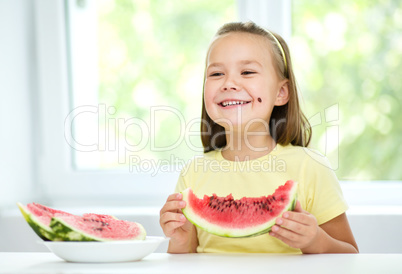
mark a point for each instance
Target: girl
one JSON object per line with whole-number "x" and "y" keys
{"x": 255, "y": 137}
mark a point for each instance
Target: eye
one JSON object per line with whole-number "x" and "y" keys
{"x": 248, "y": 72}
{"x": 215, "y": 74}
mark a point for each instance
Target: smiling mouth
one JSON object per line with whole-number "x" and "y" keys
{"x": 233, "y": 103}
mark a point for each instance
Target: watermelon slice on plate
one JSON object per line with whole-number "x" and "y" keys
{"x": 56, "y": 225}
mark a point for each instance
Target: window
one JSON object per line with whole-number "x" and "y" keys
{"x": 136, "y": 73}
{"x": 347, "y": 57}
{"x": 107, "y": 80}
{"x": 108, "y": 85}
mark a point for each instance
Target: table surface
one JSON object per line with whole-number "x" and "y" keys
{"x": 45, "y": 262}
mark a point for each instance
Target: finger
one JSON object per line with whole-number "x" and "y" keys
{"x": 300, "y": 217}
{"x": 298, "y": 207}
{"x": 173, "y": 206}
{"x": 171, "y": 217}
{"x": 174, "y": 196}
{"x": 285, "y": 233}
{"x": 291, "y": 225}
{"x": 170, "y": 227}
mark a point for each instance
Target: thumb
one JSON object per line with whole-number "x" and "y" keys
{"x": 298, "y": 207}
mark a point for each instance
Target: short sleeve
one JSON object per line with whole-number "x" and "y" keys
{"x": 323, "y": 193}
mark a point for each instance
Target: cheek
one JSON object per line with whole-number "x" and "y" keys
{"x": 208, "y": 96}
{"x": 210, "y": 106}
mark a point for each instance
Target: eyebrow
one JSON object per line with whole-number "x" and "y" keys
{"x": 242, "y": 62}
{"x": 248, "y": 62}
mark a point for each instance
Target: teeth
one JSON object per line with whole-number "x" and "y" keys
{"x": 230, "y": 103}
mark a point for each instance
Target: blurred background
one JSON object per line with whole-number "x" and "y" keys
{"x": 347, "y": 54}
{"x": 101, "y": 100}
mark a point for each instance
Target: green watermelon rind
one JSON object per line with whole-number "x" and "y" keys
{"x": 239, "y": 233}
{"x": 43, "y": 231}
{"x": 66, "y": 232}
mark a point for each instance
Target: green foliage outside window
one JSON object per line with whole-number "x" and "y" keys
{"x": 348, "y": 53}
{"x": 152, "y": 53}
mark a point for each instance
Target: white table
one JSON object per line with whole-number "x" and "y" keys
{"x": 37, "y": 262}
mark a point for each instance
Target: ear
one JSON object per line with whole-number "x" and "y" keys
{"x": 283, "y": 94}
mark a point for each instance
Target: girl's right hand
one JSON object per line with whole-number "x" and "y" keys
{"x": 174, "y": 224}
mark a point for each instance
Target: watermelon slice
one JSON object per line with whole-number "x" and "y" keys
{"x": 227, "y": 217}
{"x": 38, "y": 217}
{"x": 94, "y": 227}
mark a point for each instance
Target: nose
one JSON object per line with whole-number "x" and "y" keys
{"x": 230, "y": 84}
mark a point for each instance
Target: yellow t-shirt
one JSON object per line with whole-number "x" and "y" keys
{"x": 319, "y": 191}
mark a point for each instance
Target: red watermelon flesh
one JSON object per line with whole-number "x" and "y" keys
{"x": 225, "y": 216}
{"x": 94, "y": 227}
{"x": 43, "y": 213}
{"x": 101, "y": 216}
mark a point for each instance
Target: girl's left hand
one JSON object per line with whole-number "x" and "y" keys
{"x": 298, "y": 229}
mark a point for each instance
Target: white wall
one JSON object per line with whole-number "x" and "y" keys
{"x": 17, "y": 94}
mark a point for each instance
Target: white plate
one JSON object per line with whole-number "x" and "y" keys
{"x": 105, "y": 252}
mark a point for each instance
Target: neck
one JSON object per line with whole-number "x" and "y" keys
{"x": 241, "y": 147}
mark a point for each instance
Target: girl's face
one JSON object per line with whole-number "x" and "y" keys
{"x": 241, "y": 85}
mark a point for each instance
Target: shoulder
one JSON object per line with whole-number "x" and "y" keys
{"x": 308, "y": 157}
{"x": 319, "y": 190}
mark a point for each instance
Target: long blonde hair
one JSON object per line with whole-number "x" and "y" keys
{"x": 288, "y": 124}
